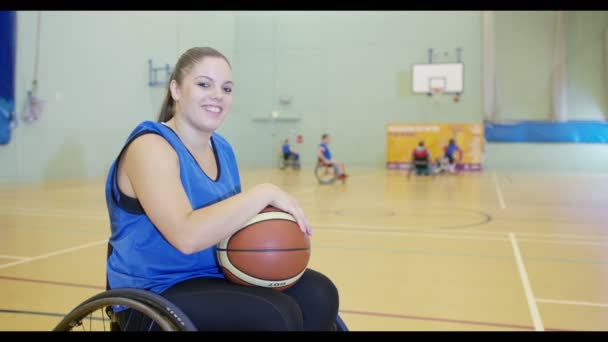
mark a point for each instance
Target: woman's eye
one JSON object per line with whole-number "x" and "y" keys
{"x": 204, "y": 84}
{"x": 228, "y": 90}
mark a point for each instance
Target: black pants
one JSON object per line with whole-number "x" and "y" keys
{"x": 217, "y": 305}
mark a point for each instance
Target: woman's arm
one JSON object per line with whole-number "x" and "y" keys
{"x": 152, "y": 168}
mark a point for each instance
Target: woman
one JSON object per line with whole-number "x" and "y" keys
{"x": 174, "y": 192}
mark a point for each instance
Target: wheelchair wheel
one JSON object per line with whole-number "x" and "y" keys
{"x": 295, "y": 164}
{"x": 145, "y": 311}
{"x": 282, "y": 163}
{"x": 326, "y": 174}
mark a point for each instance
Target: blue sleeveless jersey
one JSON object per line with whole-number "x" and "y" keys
{"x": 449, "y": 152}
{"x": 326, "y": 152}
{"x": 141, "y": 257}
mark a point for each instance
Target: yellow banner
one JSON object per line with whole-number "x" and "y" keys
{"x": 402, "y": 139}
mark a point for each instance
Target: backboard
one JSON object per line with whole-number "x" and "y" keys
{"x": 448, "y": 75}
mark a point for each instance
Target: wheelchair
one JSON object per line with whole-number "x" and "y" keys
{"x": 145, "y": 311}
{"x": 422, "y": 168}
{"x": 443, "y": 166}
{"x": 289, "y": 160}
{"x": 326, "y": 173}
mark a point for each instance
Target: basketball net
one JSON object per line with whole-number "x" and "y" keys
{"x": 436, "y": 92}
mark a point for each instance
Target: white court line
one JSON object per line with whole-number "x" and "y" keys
{"x": 12, "y": 257}
{"x": 456, "y": 236}
{"x": 50, "y": 213}
{"x": 586, "y": 243}
{"x": 594, "y": 237}
{"x": 420, "y": 234}
{"x": 571, "y": 302}
{"x": 538, "y": 324}
{"x": 501, "y": 200}
{"x": 48, "y": 255}
{"x": 470, "y": 235}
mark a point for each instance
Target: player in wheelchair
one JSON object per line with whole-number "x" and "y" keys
{"x": 447, "y": 163}
{"x": 328, "y": 170}
{"x": 421, "y": 161}
{"x": 173, "y": 192}
{"x": 288, "y": 156}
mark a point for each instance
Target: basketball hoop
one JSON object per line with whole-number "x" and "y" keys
{"x": 436, "y": 92}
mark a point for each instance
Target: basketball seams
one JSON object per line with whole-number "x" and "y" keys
{"x": 261, "y": 217}
{"x": 270, "y": 215}
{"x": 239, "y": 274}
{"x": 264, "y": 250}
{"x": 236, "y": 274}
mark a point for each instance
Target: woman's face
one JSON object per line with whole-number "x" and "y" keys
{"x": 205, "y": 95}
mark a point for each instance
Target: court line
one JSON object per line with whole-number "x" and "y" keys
{"x": 366, "y": 313}
{"x": 593, "y": 237}
{"x": 501, "y": 200}
{"x": 578, "y": 221}
{"x": 439, "y": 235}
{"x": 50, "y": 282}
{"x": 47, "y": 212}
{"x": 352, "y": 312}
{"x": 571, "y": 302}
{"x": 384, "y": 250}
{"x": 38, "y": 313}
{"x": 536, "y": 319}
{"x": 378, "y": 249}
{"x": 439, "y": 319}
{"x": 48, "y": 255}
{"x": 13, "y": 257}
{"x": 470, "y": 235}
{"x": 54, "y": 229}
{"x": 557, "y": 242}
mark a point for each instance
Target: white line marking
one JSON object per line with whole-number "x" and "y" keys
{"x": 501, "y": 200}
{"x": 42, "y": 213}
{"x": 439, "y": 235}
{"x": 566, "y": 242}
{"x": 471, "y": 235}
{"x": 571, "y": 302}
{"x": 538, "y": 324}
{"x": 12, "y": 257}
{"x": 593, "y": 237}
{"x": 48, "y": 255}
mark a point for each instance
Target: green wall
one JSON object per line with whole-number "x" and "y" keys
{"x": 346, "y": 73}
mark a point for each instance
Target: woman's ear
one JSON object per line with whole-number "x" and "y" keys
{"x": 175, "y": 93}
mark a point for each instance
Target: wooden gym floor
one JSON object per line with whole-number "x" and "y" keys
{"x": 479, "y": 251}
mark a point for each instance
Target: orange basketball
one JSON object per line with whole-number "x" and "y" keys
{"x": 269, "y": 251}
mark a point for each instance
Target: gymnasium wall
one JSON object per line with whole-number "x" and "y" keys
{"x": 345, "y": 73}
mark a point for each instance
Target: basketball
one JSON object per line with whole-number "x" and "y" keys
{"x": 269, "y": 251}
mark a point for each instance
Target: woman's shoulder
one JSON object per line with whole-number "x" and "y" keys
{"x": 148, "y": 125}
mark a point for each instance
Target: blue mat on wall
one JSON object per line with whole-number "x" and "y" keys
{"x": 7, "y": 74}
{"x": 548, "y": 132}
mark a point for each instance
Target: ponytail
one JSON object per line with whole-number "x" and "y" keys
{"x": 166, "y": 110}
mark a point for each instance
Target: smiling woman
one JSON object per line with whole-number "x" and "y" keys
{"x": 174, "y": 192}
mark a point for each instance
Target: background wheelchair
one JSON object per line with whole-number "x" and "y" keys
{"x": 326, "y": 173}
{"x": 145, "y": 311}
{"x": 422, "y": 168}
{"x": 288, "y": 160}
